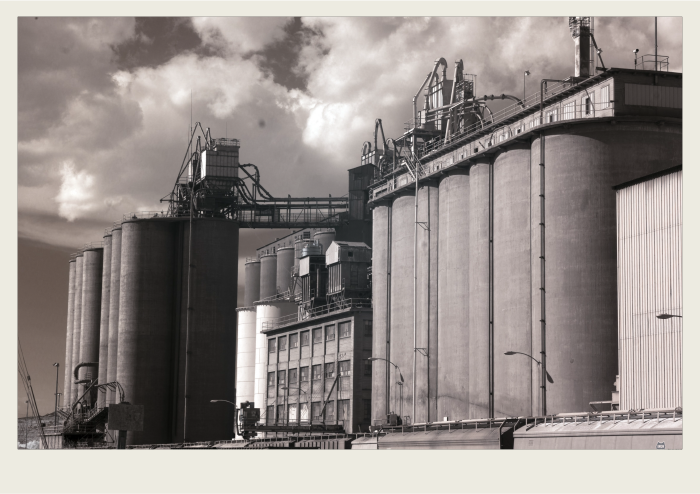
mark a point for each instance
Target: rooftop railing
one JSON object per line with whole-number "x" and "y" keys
{"x": 141, "y": 215}
{"x": 349, "y": 303}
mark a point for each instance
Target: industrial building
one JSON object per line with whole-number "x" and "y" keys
{"x": 492, "y": 278}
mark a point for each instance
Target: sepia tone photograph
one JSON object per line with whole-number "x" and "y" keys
{"x": 350, "y": 233}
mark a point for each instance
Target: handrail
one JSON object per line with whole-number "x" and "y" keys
{"x": 316, "y": 312}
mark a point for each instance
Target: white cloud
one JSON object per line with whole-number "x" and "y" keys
{"x": 77, "y": 192}
{"x": 239, "y": 34}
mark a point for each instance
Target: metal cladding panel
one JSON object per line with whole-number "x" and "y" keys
{"x": 113, "y": 397}
{"x": 381, "y": 226}
{"x": 325, "y": 239}
{"x": 512, "y": 284}
{"x": 220, "y": 164}
{"x": 427, "y": 295}
{"x": 212, "y": 329}
{"x": 581, "y": 274}
{"x": 77, "y": 311}
{"x": 268, "y": 276}
{"x": 285, "y": 263}
{"x": 252, "y": 283}
{"x": 402, "y": 219}
{"x": 648, "y": 95}
{"x": 104, "y": 317}
{"x": 245, "y": 356}
{"x": 479, "y": 183}
{"x": 265, "y": 312}
{"x": 444, "y": 439}
{"x": 304, "y": 266}
{"x": 146, "y": 323}
{"x": 649, "y": 260}
{"x": 90, "y": 315}
{"x": 453, "y": 296}
{"x": 68, "y": 368}
{"x": 366, "y": 442}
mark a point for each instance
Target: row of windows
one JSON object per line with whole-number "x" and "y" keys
{"x": 301, "y": 411}
{"x": 329, "y": 373}
{"x": 280, "y": 344}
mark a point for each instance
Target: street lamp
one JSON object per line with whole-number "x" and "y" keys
{"x": 549, "y": 378}
{"x": 55, "y": 409}
{"x": 525, "y": 74}
{"x": 668, "y": 316}
{"x": 635, "y": 51}
{"x": 372, "y": 359}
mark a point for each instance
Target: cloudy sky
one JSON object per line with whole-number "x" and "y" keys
{"x": 104, "y": 107}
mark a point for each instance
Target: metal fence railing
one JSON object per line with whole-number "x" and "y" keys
{"x": 140, "y": 215}
{"x": 303, "y": 315}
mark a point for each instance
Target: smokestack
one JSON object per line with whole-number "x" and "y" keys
{"x": 580, "y": 28}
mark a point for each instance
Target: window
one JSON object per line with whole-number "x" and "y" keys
{"x": 280, "y": 413}
{"x": 271, "y": 346}
{"x": 368, "y": 327}
{"x": 330, "y": 333}
{"x": 304, "y": 338}
{"x": 316, "y": 411}
{"x": 270, "y": 415}
{"x": 344, "y": 329}
{"x": 270, "y": 378}
{"x": 304, "y": 412}
{"x": 368, "y": 367}
{"x": 316, "y": 371}
{"x": 367, "y": 409}
{"x": 344, "y": 368}
{"x": 281, "y": 377}
{"x": 293, "y": 340}
{"x": 292, "y": 412}
{"x": 605, "y": 97}
{"x": 587, "y": 105}
{"x": 343, "y": 409}
{"x": 569, "y": 110}
{"x": 283, "y": 343}
{"x": 318, "y": 336}
{"x": 330, "y": 370}
{"x": 293, "y": 376}
{"x": 304, "y": 374}
{"x": 271, "y": 392}
{"x": 535, "y": 122}
{"x": 351, "y": 253}
{"x": 552, "y": 115}
{"x": 330, "y": 411}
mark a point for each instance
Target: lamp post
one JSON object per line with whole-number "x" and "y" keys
{"x": 372, "y": 359}
{"x": 525, "y": 74}
{"x": 544, "y": 373}
{"x": 668, "y": 316}
{"x": 26, "y": 425}
{"x": 635, "y": 51}
{"x": 55, "y": 409}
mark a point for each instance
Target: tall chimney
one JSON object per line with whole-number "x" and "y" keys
{"x": 580, "y": 28}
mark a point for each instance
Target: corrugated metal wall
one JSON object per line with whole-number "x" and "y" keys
{"x": 647, "y": 95}
{"x": 649, "y": 240}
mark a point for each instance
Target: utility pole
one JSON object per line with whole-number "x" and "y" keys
{"x": 26, "y": 425}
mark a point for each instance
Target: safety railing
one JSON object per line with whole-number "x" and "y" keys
{"x": 141, "y": 215}
{"x": 303, "y": 315}
{"x": 222, "y": 141}
{"x": 98, "y": 244}
{"x": 651, "y": 62}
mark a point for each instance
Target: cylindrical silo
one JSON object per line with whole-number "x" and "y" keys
{"x": 427, "y": 303}
{"x": 252, "y": 283}
{"x": 91, "y": 311}
{"x": 104, "y": 316}
{"x": 209, "y": 370}
{"x": 402, "y": 224}
{"x": 285, "y": 263}
{"x": 146, "y": 288}
{"x": 266, "y": 311}
{"x": 268, "y": 276}
{"x": 581, "y": 164}
{"x": 381, "y": 370}
{"x": 479, "y": 287}
{"x": 245, "y": 355}
{"x": 77, "y": 319}
{"x": 324, "y": 238}
{"x": 453, "y": 301}
{"x": 511, "y": 283}
{"x": 69, "y": 335}
{"x": 113, "y": 396}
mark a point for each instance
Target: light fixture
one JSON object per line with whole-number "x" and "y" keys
{"x": 636, "y": 50}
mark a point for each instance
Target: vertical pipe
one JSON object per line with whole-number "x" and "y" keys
{"x": 189, "y": 301}
{"x": 388, "y": 309}
{"x": 427, "y": 305}
{"x": 415, "y": 288}
{"x": 491, "y": 294}
{"x": 543, "y": 328}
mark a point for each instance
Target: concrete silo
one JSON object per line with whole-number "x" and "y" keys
{"x": 453, "y": 301}
{"x": 77, "y": 311}
{"x": 381, "y": 269}
{"x": 91, "y": 311}
{"x": 245, "y": 355}
{"x": 268, "y": 276}
{"x": 324, "y": 238}
{"x": 69, "y": 335}
{"x": 252, "y": 282}
{"x": 285, "y": 263}
{"x": 104, "y": 317}
{"x": 401, "y": 344}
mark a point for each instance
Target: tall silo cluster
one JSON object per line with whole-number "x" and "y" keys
{"x": 153, "y": 308}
